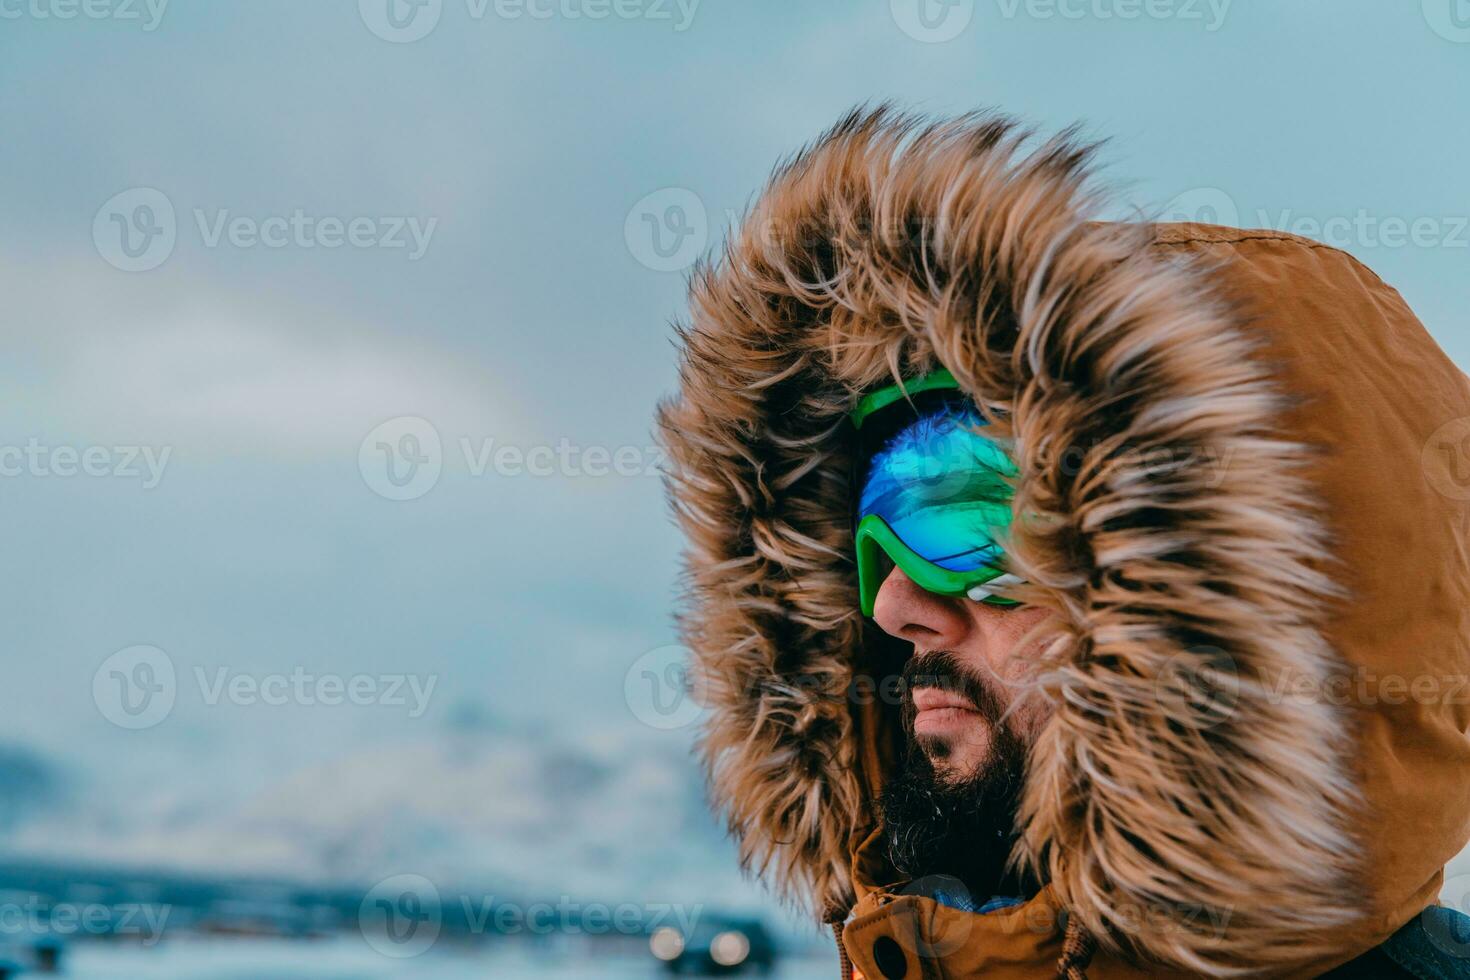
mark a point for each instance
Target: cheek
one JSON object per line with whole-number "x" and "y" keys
{"x": 1032, "y": 716}
{"x": 1031, "y": 709}
{"x": 1019, "y": 637}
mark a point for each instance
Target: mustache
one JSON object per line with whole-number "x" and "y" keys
{"x": 942, "y": 670}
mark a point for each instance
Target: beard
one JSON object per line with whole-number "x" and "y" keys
{"x": 956, "y": 825}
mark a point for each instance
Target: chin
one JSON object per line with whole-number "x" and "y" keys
{"x": 959, "y": 757}
{"x": 959, "y": 765}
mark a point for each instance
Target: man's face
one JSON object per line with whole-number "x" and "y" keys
{"x": 951, "y": 809}
{"x": 964, "y": 675}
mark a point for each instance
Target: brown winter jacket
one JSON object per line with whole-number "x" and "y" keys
{"x": 1244, "y": 492}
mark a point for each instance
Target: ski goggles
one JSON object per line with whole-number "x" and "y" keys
{"x": 933, "y": 493}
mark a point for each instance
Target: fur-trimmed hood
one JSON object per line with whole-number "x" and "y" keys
{"x": 1233, "y": 495}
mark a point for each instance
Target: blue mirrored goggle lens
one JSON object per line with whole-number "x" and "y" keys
{"x": 944, "y": 489}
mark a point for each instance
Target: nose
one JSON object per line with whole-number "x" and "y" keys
{"x": 927, "y": 620}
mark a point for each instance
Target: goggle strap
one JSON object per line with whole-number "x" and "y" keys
{"x": 882, "y": 398}
{"x": 982, "y": 593}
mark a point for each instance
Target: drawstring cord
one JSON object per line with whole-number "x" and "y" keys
{"x": 1078, "y": 946}
{"x": 835, "y": 918}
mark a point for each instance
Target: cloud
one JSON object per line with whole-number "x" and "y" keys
{"x": 224, "y": 372}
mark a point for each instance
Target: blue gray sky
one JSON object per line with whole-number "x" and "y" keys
{"x": 211, "y": 261}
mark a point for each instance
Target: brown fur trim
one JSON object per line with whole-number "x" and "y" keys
{"x": 1170, "y": 790}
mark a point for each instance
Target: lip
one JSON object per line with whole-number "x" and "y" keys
{"x": 934, "y": 699}
{"x": 938, "y": 712}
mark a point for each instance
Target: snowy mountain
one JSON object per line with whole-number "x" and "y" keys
{"x": 468, "y": 804}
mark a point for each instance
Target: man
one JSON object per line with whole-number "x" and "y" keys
{"x": 1073, "y": 598}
